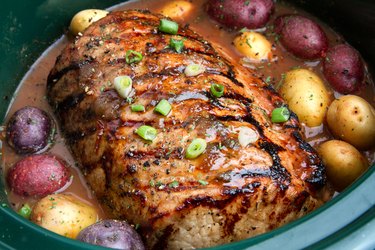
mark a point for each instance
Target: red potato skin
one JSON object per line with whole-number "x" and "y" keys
{"x": 301, "y": 36}
{"x": 38, "y": 175}
{"x": 236, "y": 14}
{"x": 343, "y": 68}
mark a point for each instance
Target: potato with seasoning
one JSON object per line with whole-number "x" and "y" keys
{"x": 301, "y": 36}
{"x": 344, "y": 163}
{"x": 254, "y": 46}
{"x": 177, "y": 9}
{"x": 237, "y": 14}
{"x": 306, "y": 96}
{"x": 38, "y": 175}
{"x": 352, "y": 119}
{"x": 84, "y": 19}
{"x": 63, "y": 214}
{"x": 113, "y": 234}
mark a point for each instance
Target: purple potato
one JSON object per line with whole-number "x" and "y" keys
{"x": 38, "y": 175}
{"x": 113, "y": 234}
{"x": 235, "y": 14}
{"x": 29, "y": 130}
{"x": 301, "y": 36}
{"x": 343, "y": 68}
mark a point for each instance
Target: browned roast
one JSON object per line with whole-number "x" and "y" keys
{"x": 228, "y": 193}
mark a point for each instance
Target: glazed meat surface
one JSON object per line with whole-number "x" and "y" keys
{"x": 230, "y": 192}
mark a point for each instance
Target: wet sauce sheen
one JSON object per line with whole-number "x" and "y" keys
{"x": 32, "y": 90}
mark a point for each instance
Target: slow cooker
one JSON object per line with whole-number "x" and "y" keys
{"x": 345, "y": 222}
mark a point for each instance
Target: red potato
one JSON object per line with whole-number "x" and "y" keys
{"x": 38, "y": 175}
{"x": 301, "y": 36}
{"x": 235, "y": 14}
{"x": 343, "y": 68}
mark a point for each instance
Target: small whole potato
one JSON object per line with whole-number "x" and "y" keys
{"x": 112, "y": 234}
{"x": 306, "y": 96}
{"x": 254, "y": 46}
{"x": 301, "y": 36}
{"x": 343, "y": 68}
{"x": 236, "y": 14}
{"x": 63, "y": 214}
{"x": 344, "y": 163}
{"x": 177, "y": 9}
{"x": 352, "y": 119}
{"x": 38, "y": 175}
{"x": 84, "y": 19}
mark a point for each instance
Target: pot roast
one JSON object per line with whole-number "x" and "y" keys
{"x": 231, "y": 191}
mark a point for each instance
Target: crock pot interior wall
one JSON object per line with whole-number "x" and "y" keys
{"x": 29, "y": 27}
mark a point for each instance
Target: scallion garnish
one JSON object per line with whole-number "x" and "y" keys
{"x": 133, "y": 56}
{"x": 196, "y": 148}
{"x": 202, "y": 182}
{"x": 137, "y": 108}
{"x": 194, "y": 69}
{"x": 217, "y": 90}
{"x": 281, "y": 114}
{"x": 177, "y": 45}
{"x": 123, "y": 85}
{"x": 163, "y": 107}
{"x": 146, "y": 132}
{"x": 168, "y": 26}
{"x": 174, "y": 184}
{"x": 247, "y": 136}
{"x": 25, "y": 211}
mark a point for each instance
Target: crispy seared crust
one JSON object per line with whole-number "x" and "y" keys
{"x": 228, "y": 193}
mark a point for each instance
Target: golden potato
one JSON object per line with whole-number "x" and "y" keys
{"x": 352, "y": 119}
{"x": 253, "y": 45}
{"x": 177, "y": 9}
{"x": 306, "y": 96}
{"x": 84, "y": 18}
{"x": 344, "y": 163}
{"x": 63, "y": 214}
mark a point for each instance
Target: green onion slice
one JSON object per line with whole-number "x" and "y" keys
{"x": 123, "y": 85}
{"x": 217, "y": 90}
{"x": 163, "y": 107}
{"x": 176, "y": 44}
{"x": 246, "y": 136}
{"x": 25, "y": 211}
{"x": 168, "y": 26}
{"x": 147, "y": 132}
{"x": 196, "y": 148}
{"x": 137, "y": 108}
{"x": 194, "y": 69}
{"x": 133, "y": 56}
{"x": 281, "y": 114}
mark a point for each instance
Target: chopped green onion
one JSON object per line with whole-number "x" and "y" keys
{"x": 168, "y": 26}
{"x": 147, "y": 132}
{"x": 194, "y": 69}
{"x": 132, "y": 56}
{"x": 202, "y": 182}
{"x": 25, "y": 211}
{"x": 177, "y": 45}
{"x": 196, "y": 148}
{"x": 137, "y": 108}
{"x": 281, "y": 114}
{"x": 163, "y": 107}
{"x": 123, "y": 85}
{"x": 173, "y": 184}
{"x": 217, "y": 90}
{"x": 247, "y": 136}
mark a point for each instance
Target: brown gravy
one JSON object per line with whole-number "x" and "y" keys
{"x": 32, "y": 90}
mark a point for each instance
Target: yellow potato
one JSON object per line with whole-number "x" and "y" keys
{"x": 253, "y": 45}
{"x": 63, "y": 214}
{"x": 177, "y": 9}
{"x": 344, "y": 163}
{"x": 306, "y": 96}
{"x": 84, "y": 18}
{"x": 352, "y": 119}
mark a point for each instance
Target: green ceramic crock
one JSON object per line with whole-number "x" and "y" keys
{"x": 27, "y": 28}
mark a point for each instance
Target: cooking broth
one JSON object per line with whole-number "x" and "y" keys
{"x": 32, "y": 90}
